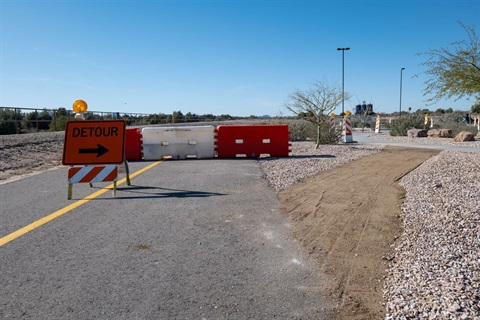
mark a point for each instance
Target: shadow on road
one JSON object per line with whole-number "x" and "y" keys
{"x": 152, "y": 192}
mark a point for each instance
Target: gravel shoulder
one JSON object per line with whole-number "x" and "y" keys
{"x": 435, "y": 270}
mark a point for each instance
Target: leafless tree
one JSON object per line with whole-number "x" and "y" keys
{"x": 315, "y": 105}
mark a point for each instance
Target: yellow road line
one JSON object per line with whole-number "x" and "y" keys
{"x": 32, "y": 226}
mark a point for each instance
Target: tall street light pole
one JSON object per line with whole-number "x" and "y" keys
{"x": 343, "y": 77}
{"x": 401, "y": 71}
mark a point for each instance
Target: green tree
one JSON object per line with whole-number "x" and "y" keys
{"x": 62, "y": 112}
{"x": 7, "y": 121}
{"x": 476, "y": 108}
{"x": 40, "y": 121}
{"x": 423, "y": 111}
{"x": 60, "y": 118}
{"x": 454, "y": 71}
{"x": 315, "y": 105}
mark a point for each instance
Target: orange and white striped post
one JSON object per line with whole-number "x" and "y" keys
{"x": 347, "y": 128}
{"x": 332, "y": 121}
{"x": 377, "y": 124}
{"x": 90, "y": 174}
{"x": 426, "y": 119}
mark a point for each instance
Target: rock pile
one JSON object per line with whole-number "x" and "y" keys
{"x": 440, "y": 133}
{"x": 464, "y": 136}
{"x": 416, "y": 133}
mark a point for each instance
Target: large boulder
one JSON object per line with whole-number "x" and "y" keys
{"x": 417, "y": 133}
{"x": 464, "y": 136}
{"x": 440, "y": 133}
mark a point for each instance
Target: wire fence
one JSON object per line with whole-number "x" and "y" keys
{"x": 15, "y": 120}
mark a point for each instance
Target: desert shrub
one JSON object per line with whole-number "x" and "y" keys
{"x": 400, "y": 126}
{"x": 301, "y": 130}
{"x": 328, "y": 136}
{"x": 454, "y": 122}
{"x": 459, "y": 127}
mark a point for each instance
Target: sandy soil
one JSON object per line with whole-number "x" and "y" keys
{"x": 27, "y": 154}
{"x": 348, "y": 218}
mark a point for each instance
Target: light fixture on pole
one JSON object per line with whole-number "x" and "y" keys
{"x": 343, "y": 77}
{"x": 401, "y": 71}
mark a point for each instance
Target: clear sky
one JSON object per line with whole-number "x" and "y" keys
{"x": 221, "y": 56}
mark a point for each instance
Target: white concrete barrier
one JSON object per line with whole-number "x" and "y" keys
{"x": 178, "y": 142}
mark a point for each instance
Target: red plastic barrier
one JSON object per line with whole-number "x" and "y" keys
{"x": 133, "y": 144}
{"x": 253, "y": 141}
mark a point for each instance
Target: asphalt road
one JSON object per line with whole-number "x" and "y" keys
{"x": 196, "y": 239}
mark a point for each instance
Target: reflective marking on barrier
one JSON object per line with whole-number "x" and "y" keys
{"x": 348, "y": 128}
{"x": 239, "y": 141}
{"x": 347, "y": 134}
{"x": 266, "y": 140}
{"x": 92, "y": 174}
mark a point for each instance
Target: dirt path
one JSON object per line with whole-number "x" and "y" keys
{"x": 348, "y": 218}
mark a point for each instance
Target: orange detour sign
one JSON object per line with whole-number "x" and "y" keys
{"x": 94, "y": 142}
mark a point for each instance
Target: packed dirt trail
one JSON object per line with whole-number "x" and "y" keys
{"x": 348, "y": 218}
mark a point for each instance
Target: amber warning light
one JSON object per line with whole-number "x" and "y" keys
{"x": 80, "y": 107}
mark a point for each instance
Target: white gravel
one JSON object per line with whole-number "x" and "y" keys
{"x": 435, "y": 273}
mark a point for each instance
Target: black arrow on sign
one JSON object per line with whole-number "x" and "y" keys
{"x": 100, "y": 151}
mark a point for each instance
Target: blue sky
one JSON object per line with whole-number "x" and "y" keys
{"x": 222, "y": 57}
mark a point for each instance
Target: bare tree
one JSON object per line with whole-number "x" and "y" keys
{"x": 454, "y": 72}
{"x": 315, "y": 105}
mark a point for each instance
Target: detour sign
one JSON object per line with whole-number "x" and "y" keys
{"x": 94, "y": 142}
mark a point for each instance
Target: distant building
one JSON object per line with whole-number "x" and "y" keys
{"x": 364, "y": 108}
